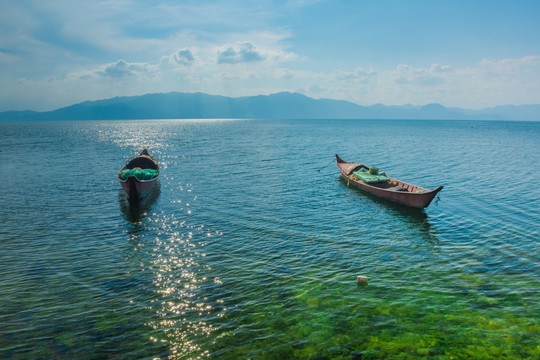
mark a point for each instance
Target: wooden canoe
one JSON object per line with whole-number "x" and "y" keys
{"x": 394, "y": 190}
{"x": 134, "y": 187}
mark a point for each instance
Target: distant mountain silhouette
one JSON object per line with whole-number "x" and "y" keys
{"x": 282, "y": 105}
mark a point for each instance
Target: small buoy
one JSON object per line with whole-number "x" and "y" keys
{"x": 362, "y": 280}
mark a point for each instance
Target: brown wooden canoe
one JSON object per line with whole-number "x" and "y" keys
{"x": 393, "y": 189}
{"x": 134, "y": 187}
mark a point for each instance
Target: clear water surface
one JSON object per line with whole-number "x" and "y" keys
{"x": 250, "y": 245}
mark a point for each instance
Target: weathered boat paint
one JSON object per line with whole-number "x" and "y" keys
{"x": 415, "y": 196}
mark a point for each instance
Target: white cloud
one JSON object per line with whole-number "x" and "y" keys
{"x": 284, "y": 73}
{"x": 436, "y": 68}
{"x": 181, "y": 57}
{"x": 357, "y": 75}
{"x": 239, "y": 53}
{"x": 489, "y": 83}
{"x": 406, "y": 74}
{"x": 120, "y": 69}
{"x": 246, "y": 52}
{"x": 512, "y": 66}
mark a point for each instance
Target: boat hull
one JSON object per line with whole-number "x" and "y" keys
{"x": 133, "y": 187}
{"x": 415, "y": 196}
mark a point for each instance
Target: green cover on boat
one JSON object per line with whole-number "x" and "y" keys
{"x": 140, "y": 174}
{"x": 366, "y": 176}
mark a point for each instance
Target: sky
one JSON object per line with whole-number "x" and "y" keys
{"x": 459, "y": 53}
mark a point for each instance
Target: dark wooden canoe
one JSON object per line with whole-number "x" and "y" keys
{"x": 393, "y": 189}
{"x": 134, "y": 187}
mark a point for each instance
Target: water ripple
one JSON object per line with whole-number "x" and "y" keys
{"x": 250, "y": 245}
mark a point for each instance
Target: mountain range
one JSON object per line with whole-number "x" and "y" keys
{"x": 284, "y": 105}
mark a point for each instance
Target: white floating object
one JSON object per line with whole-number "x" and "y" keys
{"x": 362, "y": 280}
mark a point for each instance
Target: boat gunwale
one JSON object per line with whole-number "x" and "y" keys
{"x": 408, "y": 198}
{"x": 143, "y": 154}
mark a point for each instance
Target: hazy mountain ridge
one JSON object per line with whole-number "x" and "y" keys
{"x": 282, "y": 105}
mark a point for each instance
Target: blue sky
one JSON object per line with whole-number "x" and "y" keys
{"x": 471, "y": 54}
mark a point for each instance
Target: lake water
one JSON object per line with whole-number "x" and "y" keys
{"x": 250, "y": 245}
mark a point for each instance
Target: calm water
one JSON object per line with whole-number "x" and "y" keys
{"x": 251, "y": 244}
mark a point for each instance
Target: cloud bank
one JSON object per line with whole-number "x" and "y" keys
{"x": 488, "y": 83}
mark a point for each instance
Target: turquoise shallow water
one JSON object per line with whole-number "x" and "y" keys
{"x": 250, "y": 245}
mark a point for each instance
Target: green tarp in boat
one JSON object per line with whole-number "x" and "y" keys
{"x": 140, "y": 174}
{"x": 368, "y": 176}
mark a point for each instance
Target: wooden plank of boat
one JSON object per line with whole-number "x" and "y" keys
{"x": 134, "y": 187}
{"x": 394, "y": 190}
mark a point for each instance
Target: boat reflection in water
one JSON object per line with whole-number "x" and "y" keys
{"x": 135, "y": 209}
{"x": 417, "y": 218}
